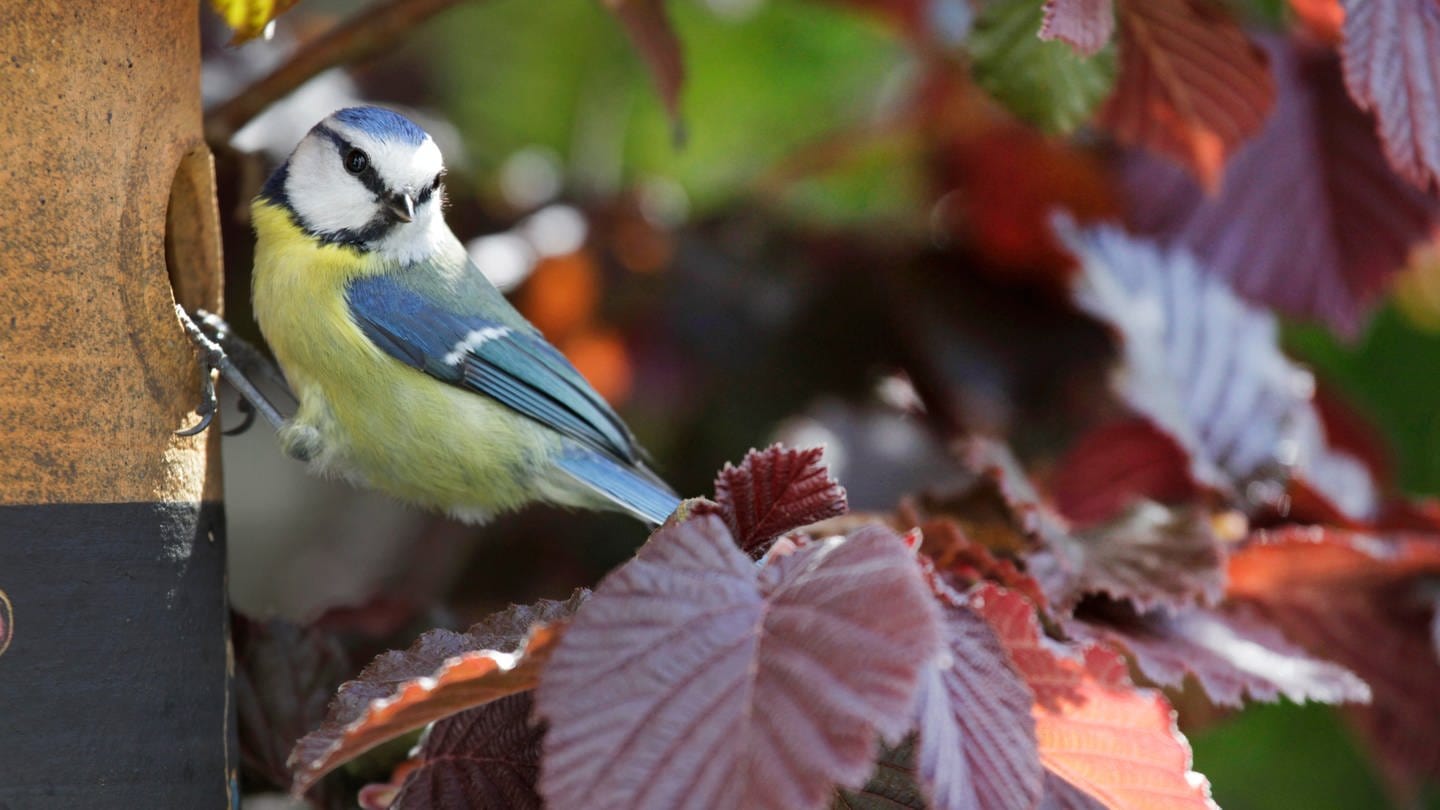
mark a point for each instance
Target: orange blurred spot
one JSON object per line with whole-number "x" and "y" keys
{"x": 640, "y": 247}
{"x": 602, "y": 358}
{"x": 1324, "y": 19}
{"x": 561, "y": 295}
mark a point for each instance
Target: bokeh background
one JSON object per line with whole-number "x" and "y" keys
{"x": 836, "y": 221}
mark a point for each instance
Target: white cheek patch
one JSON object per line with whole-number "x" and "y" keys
{"x": 326, "y": 197}
{"x": 473, "y": 341}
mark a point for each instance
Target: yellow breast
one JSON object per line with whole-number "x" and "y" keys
{"x": 377, "y": 420}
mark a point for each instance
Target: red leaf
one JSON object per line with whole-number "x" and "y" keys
{"x": 1309, "y": 219}
{"x": 441, "y": 674}
{"x": 694, "y": 678}
{"x": 1150, "y": 555}
{"x": 774, "y": 491}
{"x": 957, "y": 556}
{"x": 1207, "y": 369}
{"x": 1191, "y": 86}
{"x": 1361, "y": 601}
{"x": 1086, "y": 25}
{"x": 485, "y": 758}
{"x": 1096, "y": 730}
{"x": 1391, "y": 55}
{"x": 1115, "y": 465}
{"x": 1231, "y": 655}
{"x": 649, "y": 29}
{"x": 977, "y": 738}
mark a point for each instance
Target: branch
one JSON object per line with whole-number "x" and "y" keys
{"x": 362, "y": 37}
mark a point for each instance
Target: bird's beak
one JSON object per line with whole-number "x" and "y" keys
{"x": 401, "y": 207}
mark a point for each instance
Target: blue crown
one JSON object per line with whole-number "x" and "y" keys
{"x": 382, "y": 124}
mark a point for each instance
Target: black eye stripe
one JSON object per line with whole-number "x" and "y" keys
{"x": 372, "y": 182}
{"x": 369, "y": 177}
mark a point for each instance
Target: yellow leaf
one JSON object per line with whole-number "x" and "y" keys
{"x": 249, "y": 17}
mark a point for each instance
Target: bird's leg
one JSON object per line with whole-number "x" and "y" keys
{"x": 251, "y": 361}
{"x": 214, "y": 356}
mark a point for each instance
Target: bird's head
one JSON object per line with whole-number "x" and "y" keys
{"x": 365, "y": 177}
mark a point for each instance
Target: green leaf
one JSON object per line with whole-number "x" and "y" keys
{"x": 1045, "y": 83}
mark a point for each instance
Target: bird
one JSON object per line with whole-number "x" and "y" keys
{"x": 412, "y": 373}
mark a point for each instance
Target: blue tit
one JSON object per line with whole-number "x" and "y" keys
{"x": 413, "y": 374}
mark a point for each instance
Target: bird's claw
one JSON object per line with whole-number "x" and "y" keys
{"x": 210, "y": 355}
{"x": 248, "y": 411}
{"x": 208, "y": 335}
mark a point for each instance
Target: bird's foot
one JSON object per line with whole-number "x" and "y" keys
{"x": 211, "y": 341}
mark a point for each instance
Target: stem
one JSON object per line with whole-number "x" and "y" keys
{"x": 372, "y": 32}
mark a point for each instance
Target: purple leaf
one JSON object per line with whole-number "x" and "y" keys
{"x": 1310, "y": 218}
{"x": 1086, "y": 25}
{"x": 1206, "y": 368}
{"x": 1391, "y": 54}
{"x": 486, "y": 758}
{"x": 774, "y": 491}
{"x": 284, "y": 678}
{"x": 977, "y": 748}
{"x": 1150, "y": 555}
{"x": 693, "y": 677}
{"x": 1231, "y": 655}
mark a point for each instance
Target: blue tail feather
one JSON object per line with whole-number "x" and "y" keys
{"x": 635, "y": 489}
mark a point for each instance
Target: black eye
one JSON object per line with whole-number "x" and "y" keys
{"x": 356, "y": 161}
{"x": 436, "y": 183}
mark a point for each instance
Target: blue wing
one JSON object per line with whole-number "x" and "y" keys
{"x": 503, "y": 358}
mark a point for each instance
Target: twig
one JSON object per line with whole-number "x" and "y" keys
{"x": 362, "y": 37}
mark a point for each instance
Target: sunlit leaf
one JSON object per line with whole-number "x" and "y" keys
{"x": 977, "y": 748}
{"x": 1207, "y": 368}
{"x": 1309, "y": 218}
{"x": 692, "y": 677}
{"x": 1392, "y": 68}
{"x": 1045, "y": 83}
{"x": 1086, "y": 25}
{"x": 1191, "y": 85}
{"x": 441, "y": 674}
{"x": 1098, "y": 732}
{"x": 249, "y": 17}
{"x": 1232, "y": 655}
